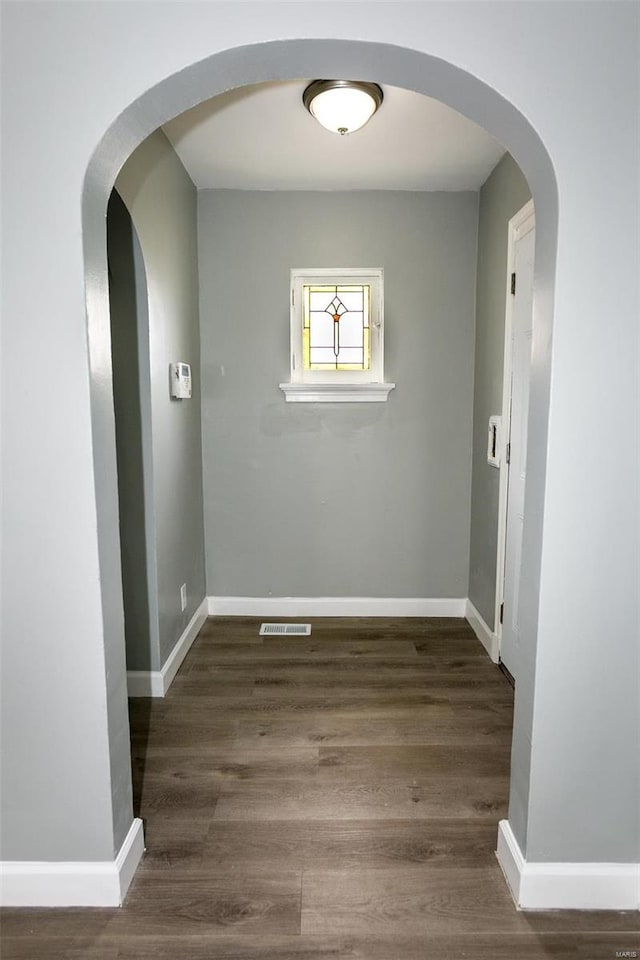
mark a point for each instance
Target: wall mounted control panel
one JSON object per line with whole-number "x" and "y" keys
{"x": 180, "y": 374}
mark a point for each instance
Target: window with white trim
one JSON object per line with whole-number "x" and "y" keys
{"x": 337, "y": 336}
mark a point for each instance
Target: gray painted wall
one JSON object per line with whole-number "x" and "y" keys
{"x": 132, "y": 407}
{"x": 502, "y": 195}
{"x": 162, "y": 202}
{"x": 346, "y": 499}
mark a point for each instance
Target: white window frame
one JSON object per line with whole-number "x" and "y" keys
{"x": 337, "y": 386}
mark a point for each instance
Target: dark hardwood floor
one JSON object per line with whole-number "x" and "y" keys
{"x": 334, "y": 796}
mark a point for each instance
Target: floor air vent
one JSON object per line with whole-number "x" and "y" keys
{"x": 285, "y": 630}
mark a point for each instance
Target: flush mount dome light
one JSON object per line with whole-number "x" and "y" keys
{"x": 342, "y": 106}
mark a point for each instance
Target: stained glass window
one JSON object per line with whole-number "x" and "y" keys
{"x": 336, "y": 326}
{"x": 337, "y": 335}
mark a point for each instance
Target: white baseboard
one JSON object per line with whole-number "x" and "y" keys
{"x": 182, "y": 647}
{"x": 483, "y": 632}
{"x": 82, "y": 884}
{"x": 566, "y": 886}
{"x": 336, "y": 607}
{"x": 145, "y": 683}
{"x": 155, "y": 683}
{"x": 510, "y": 859}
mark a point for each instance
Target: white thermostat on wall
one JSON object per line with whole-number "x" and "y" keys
{"x": 181, "y": 380}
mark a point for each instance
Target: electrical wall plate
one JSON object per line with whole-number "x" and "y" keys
{"x": 494, "y": 441}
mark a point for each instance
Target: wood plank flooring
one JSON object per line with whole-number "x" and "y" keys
{"x": 334, "y": 796}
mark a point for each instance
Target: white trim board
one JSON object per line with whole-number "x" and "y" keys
{"x": 102, "y": 883}
{"x": 519, "y": 225}
{"x": 336, "y": 392}
{"x": 336, "y": 607}
{"x": 483, "y": 632}
{"x": 145, "y": 683}
{"x": 155, "y": 683}
{"x": 566, "y": 886}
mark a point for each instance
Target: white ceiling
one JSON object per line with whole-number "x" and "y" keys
{"x": 262, "y": 138}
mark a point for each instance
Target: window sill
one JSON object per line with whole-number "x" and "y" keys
{"x": 336, "y": 392}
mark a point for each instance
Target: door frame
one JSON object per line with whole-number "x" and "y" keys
{"x": 519, "y": 225}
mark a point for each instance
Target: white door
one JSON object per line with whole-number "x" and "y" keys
{"x": 520, "y": 283}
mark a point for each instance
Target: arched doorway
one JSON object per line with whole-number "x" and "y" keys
{"x": 288, "y": 60}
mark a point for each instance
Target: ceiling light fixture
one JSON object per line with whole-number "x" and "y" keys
{"x": 342, "y": 106}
